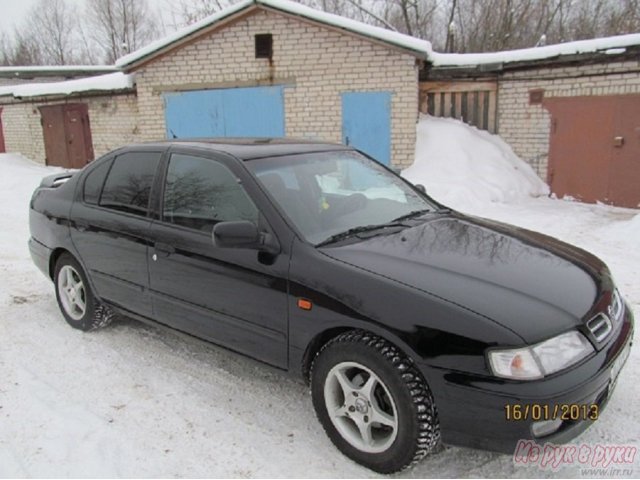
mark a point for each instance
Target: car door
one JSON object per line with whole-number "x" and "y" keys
{"x": 110, "y": 227}
{"x": 233, "y": 297}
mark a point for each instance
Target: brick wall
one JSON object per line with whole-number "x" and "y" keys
{"x": 114, "y": 122}
{"x": 23, "y": 131}
{"x": 317, "y": 64}
{"x": 526, "y": 127}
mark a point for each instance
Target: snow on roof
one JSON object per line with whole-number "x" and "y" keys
{"x": 421, "y": 47}
{"x": 108, "y": 82}
{"x": 58, "y": 69}
{"x": 610, "y": 45}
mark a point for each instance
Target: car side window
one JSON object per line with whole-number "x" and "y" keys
{"x": 200, "y": 192}
{"x": 128, "y": 185}
{"x": 94, "y": 182}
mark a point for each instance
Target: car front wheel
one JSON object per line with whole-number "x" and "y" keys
{"x": 373, "y": 403}
{"x": 77, "y": 303}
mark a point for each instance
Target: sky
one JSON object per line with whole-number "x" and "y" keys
{"x": 13, "y": 12}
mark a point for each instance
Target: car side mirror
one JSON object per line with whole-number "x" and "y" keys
{"x": 243, "y": 234}
{"x": 420, "y": 187}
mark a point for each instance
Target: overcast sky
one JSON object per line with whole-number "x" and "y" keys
{"x": 13, "y": 12}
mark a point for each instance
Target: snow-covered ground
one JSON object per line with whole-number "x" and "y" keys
{"x": 131, "y": 401}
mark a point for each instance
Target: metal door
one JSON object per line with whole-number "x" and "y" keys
{"x": 67, "y": 135}
{"x": 2, "y": 146}
{"x": 624, "y": 175}
{"x": 366, "y": 123}
{"x": 232, "y": 297}
{"x": 594, "y": 153}
{"x": 78, "y": 135}
{"x": 233, "y": 112}
{"x": 55, "y": 144}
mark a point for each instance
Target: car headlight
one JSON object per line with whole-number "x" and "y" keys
{"x": 545, "y": 358}
{"x": 617, "y": 306}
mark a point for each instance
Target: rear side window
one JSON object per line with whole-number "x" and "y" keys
{"x": 201, "y": 192}
{"x": 94, "y": 182}
{"x": 128, "y": 185}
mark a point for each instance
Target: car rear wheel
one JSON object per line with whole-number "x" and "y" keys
{"x": 373, "y": 403}
{"x": 77, "y": 303}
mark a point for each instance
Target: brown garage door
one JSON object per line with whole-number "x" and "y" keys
{"x": 67, "y": 135}
{"x": 595, "y": 148}
{"x": 2, "y": 147}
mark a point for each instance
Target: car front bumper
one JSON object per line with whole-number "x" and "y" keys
{"x": 473, "y": 410}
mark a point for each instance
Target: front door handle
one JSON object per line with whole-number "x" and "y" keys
{"x": 164, "y": 249}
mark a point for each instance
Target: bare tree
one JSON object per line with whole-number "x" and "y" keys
{"x": 449, "y": 46}
{"x": 121, "y": 26}
{"x": 194, "y": 10}
{"x": 413, "y": 17}
{"x": 623, "y": 19}
{"x": 50, "y": 25}
{"x": 22, "y": 50}
{"x": 5, "y": 49}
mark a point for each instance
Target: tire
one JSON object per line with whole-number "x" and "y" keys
{"x": 79, "y": 306}
{"x": 371, "y": 386}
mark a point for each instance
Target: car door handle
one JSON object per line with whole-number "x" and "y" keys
{"x": 163, "y": 249}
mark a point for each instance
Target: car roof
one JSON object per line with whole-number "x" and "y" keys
{"x": 250, "y": 148}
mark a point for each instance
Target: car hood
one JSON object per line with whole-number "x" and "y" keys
{"x": 531, "y": 284}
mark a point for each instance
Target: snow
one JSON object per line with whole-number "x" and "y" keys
{"x": 421, "y": 47}
{"x": 132, "y": 401}
{"x": 606, "y": 44}
{"x": 108, "y": 82}
{"x": 452, "y": 157}
{"x": 62, "y": 69}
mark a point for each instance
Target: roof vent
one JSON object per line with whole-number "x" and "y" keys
{"x": 264, "y": 45}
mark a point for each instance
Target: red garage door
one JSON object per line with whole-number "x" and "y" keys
{"x": 67, "y": 135}
{"x": 595, "y": 148}
{"x": 2, "y": 147}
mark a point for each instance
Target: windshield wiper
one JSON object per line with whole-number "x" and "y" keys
{"x": 352, "y": 232}
{"x": 415, "y": 213}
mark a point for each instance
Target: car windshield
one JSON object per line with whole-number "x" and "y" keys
{"x": 335, "y": 193}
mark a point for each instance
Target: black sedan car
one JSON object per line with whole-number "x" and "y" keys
{"x": 413, "y": 323}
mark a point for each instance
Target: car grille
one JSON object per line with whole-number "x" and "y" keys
{"x": 600, "y": 326}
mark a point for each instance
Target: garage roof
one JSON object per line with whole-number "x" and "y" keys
{"x": 110, "y": 82}
{"x": 418, "y": 47}
{"x": 608, "y": 45}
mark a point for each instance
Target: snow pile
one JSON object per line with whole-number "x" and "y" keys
{"x": 108, "y": 82}
{"x": 609, "y": 45}
{"x": 462, "y": 166}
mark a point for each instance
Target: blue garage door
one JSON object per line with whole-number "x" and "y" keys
{"x": 366, "y": 123}
{"x": 233, "y": 112}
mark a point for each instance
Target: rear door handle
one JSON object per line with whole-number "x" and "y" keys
{"x": 164, "y": 249}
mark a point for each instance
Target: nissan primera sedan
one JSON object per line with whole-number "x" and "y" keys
{"x": 412, "y": 323}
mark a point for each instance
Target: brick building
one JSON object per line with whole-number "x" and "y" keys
{"x": 572, "y": 111}
{"x": 69, "y": 122}
{"x": 260, "y": 68}
{"x": 272, "y": 68}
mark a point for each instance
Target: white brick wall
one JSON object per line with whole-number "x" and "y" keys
{"x": 23, "y": 131}
{"x": 526, "y": 127}
{"x": 113, "y": 119}
{"x": 316, "y": 63}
